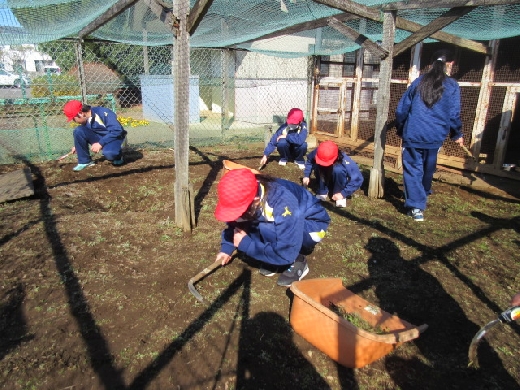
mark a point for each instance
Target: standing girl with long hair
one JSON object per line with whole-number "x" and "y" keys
{"x": 428, "y": 111}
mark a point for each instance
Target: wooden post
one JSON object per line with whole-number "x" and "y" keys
{"x": 340, "y": 128}
{"x": 377, "y": 173}
{"x": 181, "y": 76}
{"x": 488, "y": 75}
{"x": 225, "y": 61}
{"x": 315, "y": 98}
{"x": 146, "y": 64}
{"x": 81, "y": 70}
{"x": 356, "y": 103}
{"x": 504, "y": 130}
{"x": 415, "y": 65}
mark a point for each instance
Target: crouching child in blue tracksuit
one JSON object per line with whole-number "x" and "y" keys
{"x": 289, "y": 140}
{"x": 97, "y": 127}
{"x": 271, "y": 220}
{"x": 337, "y": 174}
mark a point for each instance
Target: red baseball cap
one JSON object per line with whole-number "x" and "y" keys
{"x": 72, "y": 108}
{"x": 295, "y": 116}
{"x": 236, "y": 191}
{"x": 327, "y": 153}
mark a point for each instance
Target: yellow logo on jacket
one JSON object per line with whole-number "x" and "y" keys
{"x": 286, "y": 212}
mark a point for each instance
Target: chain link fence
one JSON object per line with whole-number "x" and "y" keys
{"x": 234, "y": 96}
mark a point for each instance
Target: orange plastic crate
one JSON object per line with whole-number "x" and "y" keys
{"x": 334, "y": 335}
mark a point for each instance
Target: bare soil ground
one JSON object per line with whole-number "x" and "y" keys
{"x": 94, "y": 272}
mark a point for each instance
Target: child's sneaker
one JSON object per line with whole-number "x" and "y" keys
{"x": 323, "y": 197}
{"x": 294, "y": 273}
{"x": 270, "y": 270}
{"x": 80, "y": 167}
{"x": 282, "y": 162}
{"x": 300, "y": 164}
{"x": 118, "y": 162}
{"x": 416, "y": 214}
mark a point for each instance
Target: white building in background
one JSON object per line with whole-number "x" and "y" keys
{"x": 25, "y": 57}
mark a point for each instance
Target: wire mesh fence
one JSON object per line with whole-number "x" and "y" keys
{"x": 233, "y": 95}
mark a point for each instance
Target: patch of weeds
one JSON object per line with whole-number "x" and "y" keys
{"x": 355, "y": 319}
{"x": 146, "y": 191}
{"x": 353, "y": 252}
{"x": 97, "y": 240}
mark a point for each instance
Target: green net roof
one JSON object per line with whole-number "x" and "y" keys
{"x": 238, "y": 24}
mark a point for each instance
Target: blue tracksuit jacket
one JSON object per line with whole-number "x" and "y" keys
{"x": 105, "y": 124}
{"x": 427, "y": 128}
{"x": 291, "y": 219}
{"x": 346, "y": 177}
{"x": 296, "y": 137}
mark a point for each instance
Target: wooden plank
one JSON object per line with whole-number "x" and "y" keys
{"x": 358, "y": 38}
{"x": 442, "y": 21}
{"x": 505, "y": 128}
{"x": 442, "y": 36}
{"x": 198, "y": 12}
{"x": 482, "y": 109}
{"x": 424, "y": 4}
{"x": 403, "y": 24}
{"x": 361, "y": 147}
{"x": 109, "y": 14}
{"x": 16, "y": 185}
{"x": 305, "y": 26}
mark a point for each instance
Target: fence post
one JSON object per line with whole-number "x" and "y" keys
{"x": 181, "y": 76}
{"x": 377, "y": 173}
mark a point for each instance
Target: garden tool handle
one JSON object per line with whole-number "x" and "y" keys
{"x": 510, "y": 315}
{"x": 200, "y": 275}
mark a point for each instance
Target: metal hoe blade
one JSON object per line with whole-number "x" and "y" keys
{"x": 472, "y": 353}
{"x": 199, "y": 276}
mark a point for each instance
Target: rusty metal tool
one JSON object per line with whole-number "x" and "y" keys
{"x": 199, "y": 276}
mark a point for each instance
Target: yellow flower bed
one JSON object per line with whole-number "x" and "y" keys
{"x": 131, "y": 122}
{"x": 126, "y": 122}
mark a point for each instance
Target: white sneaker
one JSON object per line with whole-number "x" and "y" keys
{"x": 281, "y": 162}
{"x": 341, "y": 202}
{"x": 300, "y": 165}
{"x": 322, "y": 197}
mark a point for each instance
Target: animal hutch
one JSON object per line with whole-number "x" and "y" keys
{"x": 346, "y": 92}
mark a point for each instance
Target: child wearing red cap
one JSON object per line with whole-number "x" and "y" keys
{"x": 289, "y": 140}
{"x": 335, "y": 172}
{"x": 271, "y": 220}
{"x": 98, "y": 127}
